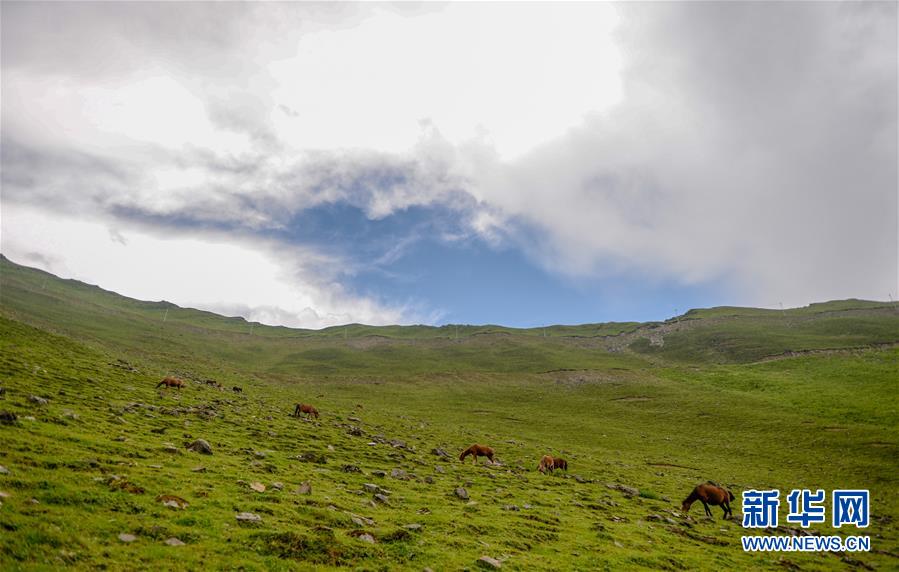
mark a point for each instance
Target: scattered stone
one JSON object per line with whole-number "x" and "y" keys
{"x": 429, "y": 479}
{"x": 199, "y": 470}
{"x": 381, "y": 498}
{"x": 511, "y": 507}
{"x": 174, "y": 542}
{"x": 248, "y": 517}
{"x": 169, "y": 448}
{"x": 200, "y": 446}
{"x": 69, "y": 414}
{"x": 371, "y": 488}
{"x": 580, "y": 479}
{"x": 278, "y": 486}
{"x": 415, "y": 527}
{"x": 440, "y": 469}
{"x": 354, "y": 419}
{"x": 399, "y": 474}
{"x": 3, "y": 470}
{"x": 316, "y": 458}
{"x": 8, "y": 417}
{"x": 461, "y": 493}
{"x": 351, "y": 469}
{"x": 34, "y": 501}
{"x": 172, "y": 501}
{"x": 258, "y": 487}
{"x": 424, "y": 510}
{"x": 490, "y": 563}
{"x": 440, "y": 453}
{"x": 125, "y": 537}
{"x": 158, "y": 430}
{"x": 625, "y": 490}
{"x": 666, "y": 499}
{"x": 366, "y": 538}
{"x": 355, "y": 432}
{"x": 304, "y": 489}
{"x": 331, "y": 448}
{"x": 120, "y": 439}
{"x": 259, "y": 454}
{"x": 37, "y": 400}
{"x": 379, "y": 473}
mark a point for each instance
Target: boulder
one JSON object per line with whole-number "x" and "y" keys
{"x": 201, "y": 446}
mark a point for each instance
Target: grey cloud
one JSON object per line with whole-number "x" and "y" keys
{"x": 756, "y": 145}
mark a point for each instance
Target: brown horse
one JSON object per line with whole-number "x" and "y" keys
{"x": 548, "y": 463}
{"x": 307, "y": 409}
{"x": 710, "y": 493}
{"x": 169, "y": 381}
{"x": 477, "y": 451}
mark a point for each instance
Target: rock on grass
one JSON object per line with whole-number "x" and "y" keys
{"x": 248, "y": 517}
{"x": 201, "y": 446}
{"x": 489, "y": 563}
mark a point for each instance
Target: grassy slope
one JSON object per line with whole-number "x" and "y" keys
{"x": 660, "y": 420}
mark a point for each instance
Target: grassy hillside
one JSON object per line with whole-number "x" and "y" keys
{"x": 656, "y": 407}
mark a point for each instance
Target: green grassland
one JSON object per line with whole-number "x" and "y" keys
{"x": 805, "y": 398}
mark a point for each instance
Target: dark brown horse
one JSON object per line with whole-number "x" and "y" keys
{"x": 307, "y": 409}
{"x": 548, "y": 463}
{"x": 477, "y": 451}
{"x": 169, "y": 381}
{"x": 710, "y": 493}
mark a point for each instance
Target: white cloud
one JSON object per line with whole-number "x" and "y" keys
{"x": 270, "y": 283}
{"x": 517, "y": 76}
{"x": 747, "y": 143}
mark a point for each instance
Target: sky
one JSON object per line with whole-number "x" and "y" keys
{"x": 314, "y": 164}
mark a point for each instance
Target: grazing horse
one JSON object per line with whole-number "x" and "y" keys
{"x": 169, "y": 381}
{"x": 307, "y": 409}
{"x": 710, "y": 493}
{"x": 477, "y": 451}
{"x": 548, "y": 463}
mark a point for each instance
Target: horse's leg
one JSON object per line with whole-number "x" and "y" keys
{"x": 727, "y": 512}
{"x": 708, "y": 511}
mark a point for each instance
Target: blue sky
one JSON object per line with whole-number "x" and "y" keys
{"x": 403, "y": 258}
{"x": 313, "y": 164}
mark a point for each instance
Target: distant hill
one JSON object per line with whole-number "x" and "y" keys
{"x": 723, "y": 334}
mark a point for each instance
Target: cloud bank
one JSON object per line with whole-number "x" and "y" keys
{"x": 745, "y": 144}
